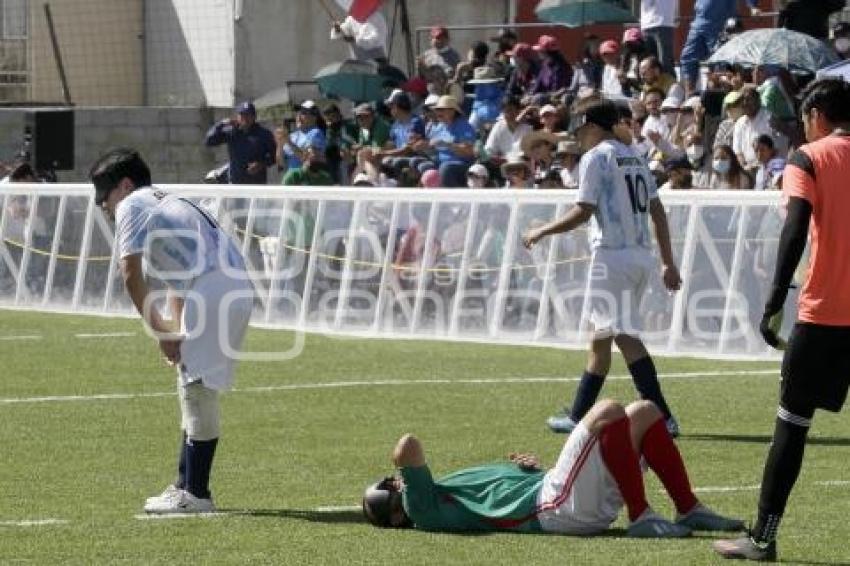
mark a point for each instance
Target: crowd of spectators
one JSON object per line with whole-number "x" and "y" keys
{"x": 499, "y": 117}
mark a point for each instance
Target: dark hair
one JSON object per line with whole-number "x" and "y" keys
{"x": 766, "y": 141}
{"x": 21, "y": 171}
{"x": 653, "y": 90}
{"x": 115, "y": 165}
{"x": 512, "y": 100}
{"x": 830, "y": 96}
{"x": 480, "y": 50}
{"x": 594, "y": 110}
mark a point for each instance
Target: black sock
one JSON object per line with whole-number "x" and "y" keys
{"x": 181, "y": 465}
{"x": 646, "y": 382}
{"x": 199, "y": 459}
{"x": 586, "y": 394}
{"x": 780, "y": 471}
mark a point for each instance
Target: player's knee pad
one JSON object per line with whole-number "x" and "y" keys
{"x": 199, "y": 407}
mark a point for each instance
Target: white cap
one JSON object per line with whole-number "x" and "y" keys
{"x": 479, "y": 171}
{"x": 432, "y": 100}
{"x": 363, "y": 179}
{"x": 692, "y": 102}
{"x": 548, "y": 109}
{"x": 671, "y": 102}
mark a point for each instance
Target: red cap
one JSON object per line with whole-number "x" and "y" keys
{"x": 439, "y": 31}
{"x": 416, "y": 85}
{"x": 522, "y": 51}
{"x": 546, "y": 43}
{"x": 609, "y": 47}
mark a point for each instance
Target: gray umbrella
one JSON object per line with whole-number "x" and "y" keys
{"x": 798, "y": 52}
{"x": 578, "y": 13}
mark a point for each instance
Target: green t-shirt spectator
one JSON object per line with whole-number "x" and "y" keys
{"x": 306, "y": 178}
{"x": 494, "y": 497}
{"x": 376, "y": 136}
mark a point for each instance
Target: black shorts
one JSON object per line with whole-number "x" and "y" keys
{"x": 816, "y": 367}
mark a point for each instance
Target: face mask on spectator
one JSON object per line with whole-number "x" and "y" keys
{"x": 722, "y": 166}
{"x": 695, "y": 152}
{"x": 842, "y": 44}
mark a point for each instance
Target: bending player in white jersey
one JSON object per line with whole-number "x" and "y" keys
{"x": 208, "y": 293}
{"x": 617, "y": 193}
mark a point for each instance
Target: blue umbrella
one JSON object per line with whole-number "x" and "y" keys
{"x": 354, "y": 80}
{"x": 797, "y": 52}
{"x": 577, "y": 13}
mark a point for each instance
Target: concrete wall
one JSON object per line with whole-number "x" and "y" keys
{"x": 170, "y": 139}
{"x": 189, "y": 52}
{"x": 279, "y": 41}
{"x": 101, "y": 47}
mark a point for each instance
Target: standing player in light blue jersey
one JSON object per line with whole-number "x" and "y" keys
{"x": 208, "y": 293}
{"x": 617, "y": 193}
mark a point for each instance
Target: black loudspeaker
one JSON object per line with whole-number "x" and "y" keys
{"x": 51, "y": 137}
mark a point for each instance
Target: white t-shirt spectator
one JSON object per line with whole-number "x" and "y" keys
{"x": 611, "y": 86}
{"x": 746, "y": 132}
{"x": 655, "y": 124}
{"x": 658, "y": 13}
{"x": 370, "y": 37}
{"x": 502, "y": 141}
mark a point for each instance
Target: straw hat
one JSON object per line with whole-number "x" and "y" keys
{"x": 484, "y": 75}
{"x": 514, "y": 160}
{"x": 448, "y": 102}
{"x": 530, "y": 139}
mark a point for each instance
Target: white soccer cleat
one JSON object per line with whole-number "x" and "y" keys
{"x": 173, "y": 501}
{"x": 167, "y": 493}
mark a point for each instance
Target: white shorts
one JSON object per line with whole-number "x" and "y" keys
{"x": 615, "y": 286}
{"x": 215, "y": 316}
{"x": 579, "y": 496}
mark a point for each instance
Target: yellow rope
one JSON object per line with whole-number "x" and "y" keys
{"x": 363, "y": 263}
{"x": 63, "y": 257}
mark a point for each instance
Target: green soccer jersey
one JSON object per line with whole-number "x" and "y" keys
{"x": 485, "y": 498}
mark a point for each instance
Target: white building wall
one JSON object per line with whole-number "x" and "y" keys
{"x": 190, "y": 52}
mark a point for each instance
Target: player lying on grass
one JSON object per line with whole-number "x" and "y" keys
{"x": 597, "y": 471}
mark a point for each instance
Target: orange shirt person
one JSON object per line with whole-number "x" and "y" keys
{"x": 816, "y": 366}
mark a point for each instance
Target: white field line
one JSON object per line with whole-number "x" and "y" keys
{"x": 33, "y": 523}
{"x": 337, "y": 508}
{"x": 154, "y": 517}
{"x": 17, "y": 338}
{"x": 725, "y": 488}
{"x": 372, "y": 383}
{"x": 106, "y": 335}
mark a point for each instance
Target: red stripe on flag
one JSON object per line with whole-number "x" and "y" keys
{"x": 361, "y": 9}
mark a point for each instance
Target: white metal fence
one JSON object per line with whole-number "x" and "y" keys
{"x": 421, "y": 263}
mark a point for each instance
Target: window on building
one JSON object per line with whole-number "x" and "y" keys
{"x": 13, "y": 19}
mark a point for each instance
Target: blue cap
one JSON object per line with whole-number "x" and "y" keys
{"x": 246, "y": 108}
